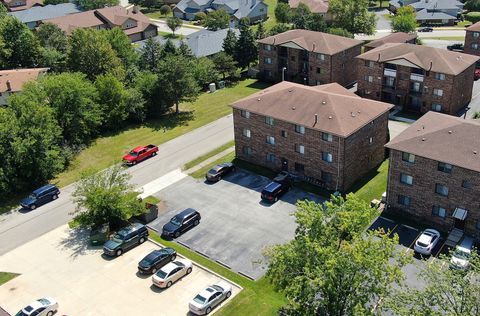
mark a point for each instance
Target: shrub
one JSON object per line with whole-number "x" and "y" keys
{"x": 200, "y": 16}
{"x": 165, "y": 9}
{"x": 473, "y": 17}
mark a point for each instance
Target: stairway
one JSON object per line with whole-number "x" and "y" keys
{"x": 454, "y": 237}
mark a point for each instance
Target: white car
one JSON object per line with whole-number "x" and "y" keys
{"x": 42, "y": 307}
{"x": 171, "y": 272}
{"x": 209, "y": 298}
{"x": 427, "y": 241}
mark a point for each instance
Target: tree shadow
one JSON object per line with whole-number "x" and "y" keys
{"x": 77, "y": 242}
{"x": 259, "y": 85}
{"x": 171, "y": 120}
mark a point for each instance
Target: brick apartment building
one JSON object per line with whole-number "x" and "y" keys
{"x": 308, "y": 57}
{"x": 434, "y": 173}
{"x": 472, "y": 39}
{"x": 326, "y": 134}
{"x": 397, "y": 37}
{"x": 417, "y": 78}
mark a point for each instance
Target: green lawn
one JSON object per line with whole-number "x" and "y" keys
{"x": 446, "y": 38}
{"x": 108, "y": 150}
{"x": 378, "y": 4}
{"x": 464, "y": 23}
{"x": 373, "y": 185}
{"x": 272, "y": 4}
{"x": 6, "y": 276}
{"x": 214, "y": 152}
{"x": 200, "y": 173}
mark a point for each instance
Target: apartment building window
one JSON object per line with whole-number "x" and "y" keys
{"x": 441, "y": 189}
{"x": 404, "y": 200}
{"x": 369, "y": 63}
{"x": 438, "y": 92}
{"x": 476, "y": 34}
{"x": 321, "y": 57}
{"x": 245, "y": 113}
{"x": 269, "y": 120}
{"x": 267, "y": 60}
{"x": 327, "y": 137}
{"x": 299, "y": 167}
{"x": 439, "y": 211}
{"x": 300, "y": 129}
{"x": 474, "y": 45}
{"x": 406, "y": 179}
{"x": 436, "y": 107}
{"x": 246, "y": 132}
{"x": 439, "y": 76}
{"x": 369, "y": 79}
{"x": 326, "y": 176}
{"x": 319, "y": 70}
{"x": 247, "y": 151}
{"x": 467, "y": 184}
{"x": 389, "y": 81}
{"x": 300, "y": 149}
{"x": 292, "y": 58}
{"x": 370, "y": 140}
{"x": 327, "y": 157}
{"x": 284, "y": 134}
{"x": 408, "y": 157}
{"x": 415, "y": 86}
{"x": 271, "y": 140}
{"x": 271, "y": 158}
{"x": 444, "y": 167}
{"x": 267, "y": 47}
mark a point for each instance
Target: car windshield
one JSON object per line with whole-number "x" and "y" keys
{"x": 176, "y": 221}
{"x": 460, "y": 254}
{"x": 212, "y": 171}
{"x": 161, "y": 274}
{"x": 132, "y": 153}
{"x": 44, "y": 301}
{"x": 21, "y": 313}
{"x": 120, "y": 236}
{"x": 32, "y": 196}
{"x": 199, "y": 299}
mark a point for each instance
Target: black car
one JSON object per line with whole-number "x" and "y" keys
{"x": 181, "y": 222}
{"x": 156, "y": 259}
{"x": 217, "y": 172}
{"x": 274, "y": 190}
{"x": 455, "y": 47}
{"x": 40, "y": 196}
{"x": 126, "y": 238}
{"x": 284, "y": 177}
{"x": 425, "y": 29}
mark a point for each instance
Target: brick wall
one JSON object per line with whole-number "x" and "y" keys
{"x": 469, "y": 40}
{"x": 422, "y": 192}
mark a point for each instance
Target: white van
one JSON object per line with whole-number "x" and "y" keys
{"x": 462, "y": 253}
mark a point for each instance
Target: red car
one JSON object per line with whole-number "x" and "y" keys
{"x": 477, "y": 74}
{"x": 139, "y": 153}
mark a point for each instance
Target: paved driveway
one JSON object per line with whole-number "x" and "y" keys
{"x": 85, "y": 283}
{"x": 236, "y": 226}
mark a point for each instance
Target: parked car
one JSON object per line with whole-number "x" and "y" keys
{"x": 156, "y": 259}
{"x": 140, "y": 153}
{"x": 40, "y": 196}
{"x": 42, "y": 307}
{"x": 126, "y": 238}
{"x": 99, "y": 234}
{"x": 217, "y": 172}
{"x": 425, "y": 29}
{"x": 428, "y": 239}
{"x": 171, "y": 272}
{"x": 274, "y": 190}
{"x": 284, "y": 177}
{"x": 209, "y": 298}
{"x": 455, "y": 47}
{"x": 461, "y": 255}
{"x": 181, "y": 222}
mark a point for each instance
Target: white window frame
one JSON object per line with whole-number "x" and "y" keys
{"x": 436, "y": 107}
{"x": 267, "y": 60}
{"x": 269, "y": 120}
{"x": 328, "y": 157}
{"x": 438, "y": 92}
{"x": 439, "y": 76}
{"x": 438, "y": 211}
{"x": 245, "y": 114}
{"x": 300, "y": 149}
{"x": 300, "y": 129}
{"x": 271, "y": 140}
{"x": 247, "y": 133}
{"x": 410, "y": 158}
{"x": 406, "y": 179}
{"x": 327, "y": 137}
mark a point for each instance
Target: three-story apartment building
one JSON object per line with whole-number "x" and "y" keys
{"x": 325, "y": 134}
{"x": 472, "y": 39}
{"x": 434, "y": 173}
{"x": 308, "y": 57}
{"x": 417, "y": 78}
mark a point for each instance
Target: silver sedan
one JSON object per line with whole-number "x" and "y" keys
{"x": 209, "y": 298}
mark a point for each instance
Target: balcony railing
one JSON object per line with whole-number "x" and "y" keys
{"x": 416, "y": 77}
{"x": 390, "y": 72}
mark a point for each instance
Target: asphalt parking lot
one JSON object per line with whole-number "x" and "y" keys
{"x": 86, "y": 283}
{"x": 236, "y": 226}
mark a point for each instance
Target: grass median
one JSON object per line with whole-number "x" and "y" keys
{"x": 7, "y": 276}
{"x": 214, "y": 152}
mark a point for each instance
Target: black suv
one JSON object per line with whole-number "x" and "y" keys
{"x": 274, "y": 190}
{"x": 156, "y": 259}
{"x": 125, "y": 239}
{"x": 40, "y": 196}
{"x": 181, "y": 222}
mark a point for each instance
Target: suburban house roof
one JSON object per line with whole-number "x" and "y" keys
{"x": 425, "y": 14}
{"x": 240, "y": 8}
{"x": 432, "y": 9}
{"x": 329, "y": 108}
{"x": 47, "y": 12}
{"x": 437, "y": 5}
{"x": 474, "y": 27}
{"x": 398, "y": 37}
{"x": 110, "y": 16}
{"x": 444, "y": 138}
{"x": 13, "y": 80}
{"x": 427, "y": 58}
{"x": 312, "y": 41}
{"x": 315, "y": 6}
{"x": 28, "y": 4}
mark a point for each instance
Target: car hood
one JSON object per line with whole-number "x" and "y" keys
{"x": 129, "y": 157}
{"x": 111, "y": 244}
{"x": 27, "y": 200}
{"x": 169, "y": 227}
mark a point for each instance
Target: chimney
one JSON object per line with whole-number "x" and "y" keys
{"x": 9, "y": 86}
{"x": 135, "y": 9}
{"x": 316, "y": 119}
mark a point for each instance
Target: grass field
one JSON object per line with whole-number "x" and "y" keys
{"x": 446, "y": 38}
{"x": 373, "y": 185}
{"x": 6, "y": 276}
{"x": 214, "y": 152}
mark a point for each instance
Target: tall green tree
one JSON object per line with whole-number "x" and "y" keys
{"x": 283, "y": 13}
{"x": 97, "y": 4}
{"x": 165, "y": 10}
{"x": 3, "y": 10}
{"x": 224, "y": 64}
{"x": 9, "y": 128}
{"x": 339, "y": 32}
{"x": 279, "y": 28}
{"x": 122, "y": 46}
{"x": 302, "y": 16}
{"x": 405, "y": 20}
{"x": 218, "y": 19}
{"x": 174, "y": 23}
{"x": 150, "y": 55}
{"x": 332, "y": 267}
{"x": 146, "y": 85}
{"x": 472, "y": 5}
{"x": 230, "y": 43}
{"x": 260, "y": 33}
{"x": 353, "y": 16}
{"x": 168, "y": 48}
{"x": 246, "y": 51}
{"x": 316, "y": 23}
{"x": 20, "y": 47}
{"x": 205, "y": 71}
{"x": 51, "y": 36}
{"x": 185, "y": 50}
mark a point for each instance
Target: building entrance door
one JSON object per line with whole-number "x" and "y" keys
{"x": 459, "y": 224}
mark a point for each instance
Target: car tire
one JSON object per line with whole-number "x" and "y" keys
{"x": 119, "y": 252}
{"x": 50, "y": 313}
{"x": 189, "y": 270}
{"x": 209, "y": 309}
{"x": 177, "y": 234}
{"x": 276, "y": 199}
{"x": 173, "y": 258}
{"x": 54, "y": 197}
{"x": 196, "y": 222}
{"x": 141, "y": 240}
{"x": 33, "y": 206}
{"x": 169, "y": 284}
{"x": 153, "y": 154}
{"x": 228, "y": 294}
{"x": 154, "y": 270}
{"x": 134, "y": 163}
{"x": 219, "y": 178}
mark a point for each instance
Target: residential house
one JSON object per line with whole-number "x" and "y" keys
{"x": 34, "y": 16}
{"x": 417, "y": 78}
{"x": 18, "y": 5}
{"x": 255, "y": 10}
{"x": 308, "y": 57}
{"x": 472, "y": 39}
{"x": 316, "y": 6}
{"x": 324, "y": 134}
{"x": 12, "y": 81}
{"x": 133, "y": 22}
{"x": 444, "y": 12}
{"x": 434, "y": 173}
{"x": 398, "y": 37}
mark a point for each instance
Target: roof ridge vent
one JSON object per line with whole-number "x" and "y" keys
{"x": 423, "y": 139}
{"x": 353, "y": 114}
{"x": 330, "y": 117}
{"x": 450, "y": 132}
{"x": 258, "y": 99}
{"x": 293, "y": 107}
{"x": 474, "y": 152}
{"x": 324, "y": 102}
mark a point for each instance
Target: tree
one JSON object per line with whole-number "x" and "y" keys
{"x": 174, "y": 24}
{"x": 97, "y": 4}
{"x": 47, "y": 2}
{"x": 150, "y": 55}
{"x": 51, "y": 36}
{"x": 245, "y": 21}
{"x": 122, "y": 46}
{"x": 176, "y": 80}
{"x": 146, "y": 85}
{"x": 3, "y": 10}
{"x": 8, "y": 129}
{"x": 225, "y": 64}
{"x": 20, "y": 47}
{"x": 279, "y": 28}
{"x": 91, "y": 53}
{"x": 151, "y": 3}
{"x": 111, "y": 98}
{"x": 261, "y": 33}
{"x": 168, "y": 49}
{"x": 405, "y": 20}
{"x": 165, "y": 10}
{"x": 472, "y": 5}
{"x": 283, "y": 13}
{"x": 246, "y": 49}
{"x": 218, "y": 19}
{"x": 302, "y": 16}
{"x": 106, "y": 197}
{"x": 200, "y": 16}
{"x": 353, "y": 16}
{"x": 205, "y": 71}
{"x": 230, "y": 43}
{"x": 316, "y": 23}
{"x": 339, "y": 32}
{"x": 332, "y": 267}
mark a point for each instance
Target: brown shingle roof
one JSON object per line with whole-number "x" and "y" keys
{"x": 442, "y": 138}
{"x": 315, "y": 6}
{"x": 28, "y": 4}
{"x": 398, "y": 37}
{"x": 316, "y": 42}
{"x": 474, "y": 27}
{"x": 17, "y": 78}
{"x": 338, "y": 110}
{"x": 427, "y": 58}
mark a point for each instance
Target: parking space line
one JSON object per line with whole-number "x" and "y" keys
{"x": 415, "y": 239}
{"x": 409, "y": 227}
{"x": 386, "y": 219}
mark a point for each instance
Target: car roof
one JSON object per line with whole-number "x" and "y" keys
{"x": 44, "y": 188}
{"x": 136, "y": 149}
{"x": 170, "y": 266}
{"x": 272, "y": 186}
{"x": 186, "y": 212}
{"x": 132, "y": 227}
{"x": 466, "y": 244}
{"x": 207, "y": 292}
